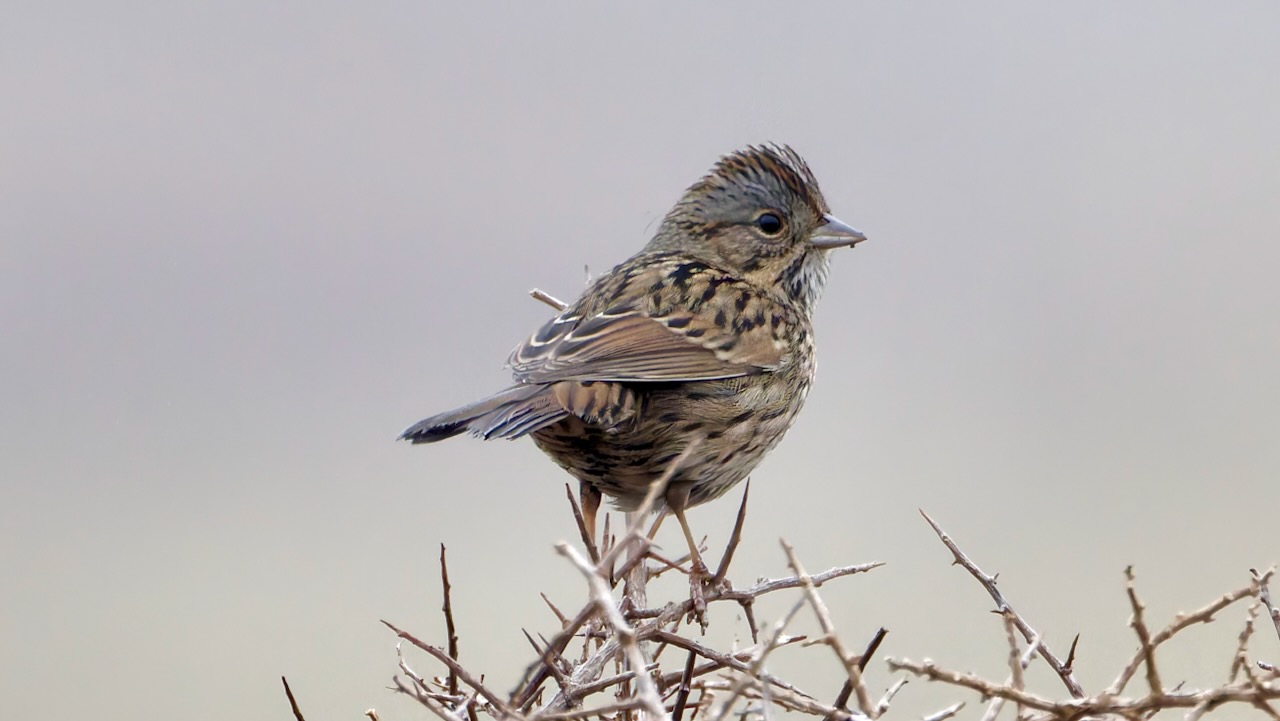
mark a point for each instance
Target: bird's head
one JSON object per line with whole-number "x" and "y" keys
{"x": 759, "y": 215}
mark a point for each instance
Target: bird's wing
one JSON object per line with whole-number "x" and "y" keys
{"x": 678, "y": 321}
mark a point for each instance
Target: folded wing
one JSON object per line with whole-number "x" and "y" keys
{"x": 704, "y": 327}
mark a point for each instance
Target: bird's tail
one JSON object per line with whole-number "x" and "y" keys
{"x": 512, "y": 413}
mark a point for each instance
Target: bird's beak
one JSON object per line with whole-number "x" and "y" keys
{"x": 834, "y": 233}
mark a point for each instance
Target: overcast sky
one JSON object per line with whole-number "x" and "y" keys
{"x": 243, "y": 244}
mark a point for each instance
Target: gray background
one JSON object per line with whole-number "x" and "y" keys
{"x": 244, "y": 244}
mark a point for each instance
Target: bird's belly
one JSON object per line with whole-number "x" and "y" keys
{"x": 735, "y": 421}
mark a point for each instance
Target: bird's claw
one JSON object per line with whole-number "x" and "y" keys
{"x": 699, "y": 579}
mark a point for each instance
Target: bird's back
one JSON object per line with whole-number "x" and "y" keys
{"x": 735, "y": 420}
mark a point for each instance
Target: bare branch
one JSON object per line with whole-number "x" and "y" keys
{"x": 1144, "y": 636}
{"x": 883, "y": 704}
{"x": 421, "y": 692}
{"x": 945, "y": 713}
{"x": 539, "y": 672}
{"x": 842, "y": 699}
{"x": 444, "y": 658}
{"x": 734, "y": 661}
{"x": 587, "y": 541}
{"x": 559, "y": 616}
{"x": 770, "y": 586}
{"x": 1017, "y": 665}
{"x": 448, "y": 621}
{"x": 548, "y": 299}
{"x": 755, "y": 670}
{"x": 927, "y": 669}
{"x": 682, "y": 695}
{"x": 829, "y": 632}
{"x": 1264, "y": 595}
{"x": 734, "y": 538}
{"x": 989, "y": 582}
{"x": 613, "y": 710}
{"x": 1105, "y": 703}
{"x": 293, "y": 703}
{"x": 1182, "y": 621}
{"x": 552, "y": 663}
{"x": 645, "y": 689}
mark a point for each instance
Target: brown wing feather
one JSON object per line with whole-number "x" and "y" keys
{"x": 677, "y": 320}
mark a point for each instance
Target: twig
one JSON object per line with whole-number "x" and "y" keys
{"x": 883, "y": 704}
{"x": 1017, "y": 664}
{"x": 601, "y": 711}
{"x": 726, "y": 660}
{"x": 829, "y": 632}
{"x": 750, "y": 688}
{"x": 293, "y": 703}
{"x": 422, "y": 693}
{"x": 1240, "y": 660}
{"x": 538, "y": 673}
{"x": 664, "y": 564}
{"x": 734, "y": 538}
{"x": 1104, "y": 703}
{"x": 989, "y": 582}
{"x": 549, "y": 299}
{"x": 748, "y": 610}
{"x": 1144, "y": 636}
{"x": 1071, "y": 653}
{"x": 551, "y": 662}
{"x": 773, "y": 641}
{"x": 559, "y": 616}
{"x": 1015, "y": 657}
{"x": 682, "y": 695}
{"x": 1264, "y": 595}
{"x": 523, "y": 697}
{"x": 463, "y": 674}
{"x": 927, "y": 669}
{"x": 433, "y": 705}
{"x": 448, "y": 622}
{"x": 945, "y": 713}
{"x": 604, "y": 683}
{"x": 587, "y": 540}
{"x": 842, "y": 699}
{"x": 1181, "y": 621}
{"x": 646, "y": 690}
{"x": 780, "y": 584}
{"x": 1015, "y": 661}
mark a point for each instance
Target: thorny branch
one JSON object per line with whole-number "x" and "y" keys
{"x": 1144, "y": 636}
{"x": 1264, "y": 595}
{"x": 293, "y": 703}
{"x": 718, "y": 684}
{"x": 1064, "y": 671}
{"x": 829, "y": 632}
{"x": 450, "y": 630}
{"x": 1182, "y": 621}
{"x": 1253, "y": 690}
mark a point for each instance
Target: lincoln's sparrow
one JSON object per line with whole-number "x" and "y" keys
{"x": 705, "y": 333}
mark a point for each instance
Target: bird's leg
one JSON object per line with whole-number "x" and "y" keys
{"x": 589, "y": 496}
{"x": 677, "y": 500}
{"x": 696, "y": 565}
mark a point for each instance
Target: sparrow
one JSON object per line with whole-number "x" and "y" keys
{"x": 704, "y": 338}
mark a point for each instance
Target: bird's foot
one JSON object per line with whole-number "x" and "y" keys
{"x": 699, "y": 580}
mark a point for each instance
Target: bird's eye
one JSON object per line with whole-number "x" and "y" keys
{"x": 769, "y": 224}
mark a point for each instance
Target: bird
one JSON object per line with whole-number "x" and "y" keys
{"x": 698, "y": 349}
